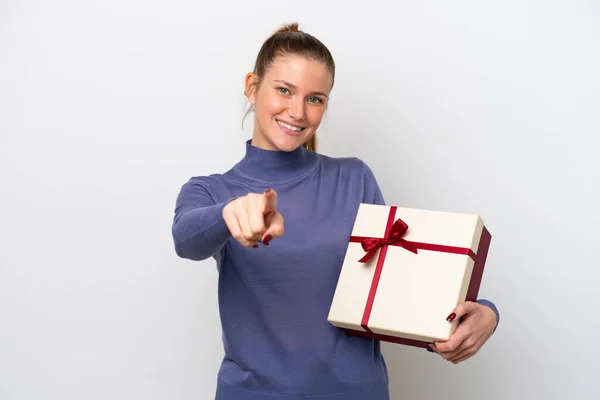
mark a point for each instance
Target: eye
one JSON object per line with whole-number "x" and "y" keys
{"x": 283, "y": 90}
{"x": 315, "y": 100}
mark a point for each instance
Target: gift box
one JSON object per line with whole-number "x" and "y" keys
{"x": 405, "y": 270}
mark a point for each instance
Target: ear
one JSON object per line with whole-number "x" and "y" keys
{"x": 250, "y": 86}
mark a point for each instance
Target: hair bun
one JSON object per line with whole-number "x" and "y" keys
{"x": 291, "y": 27}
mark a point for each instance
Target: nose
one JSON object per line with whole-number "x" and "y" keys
{"x": 296, "y": 108}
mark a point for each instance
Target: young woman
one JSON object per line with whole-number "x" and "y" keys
{"x": 277, "y": 224}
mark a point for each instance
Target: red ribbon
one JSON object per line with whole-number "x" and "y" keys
{"x": 399, "y": 228}
{"x": 394, "y": 231}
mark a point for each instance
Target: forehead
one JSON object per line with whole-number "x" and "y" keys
{"x": 302, "y": 72}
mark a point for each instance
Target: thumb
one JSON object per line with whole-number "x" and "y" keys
{"x": 270, "y": 197}
{"x": 461, "y": 309}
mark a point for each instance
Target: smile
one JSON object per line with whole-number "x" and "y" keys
{"x": 289, "y": 127}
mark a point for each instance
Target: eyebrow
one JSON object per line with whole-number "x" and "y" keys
{"x": 294, "y": 87}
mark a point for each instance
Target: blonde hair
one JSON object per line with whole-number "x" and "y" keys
{"x": 287, "y": 40}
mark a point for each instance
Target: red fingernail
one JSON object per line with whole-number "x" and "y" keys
{"x": 255, "y": 246}
{"x": 267, "y": 239}
{"x": 451, "y": 317}
{"x": 268, "y": 191}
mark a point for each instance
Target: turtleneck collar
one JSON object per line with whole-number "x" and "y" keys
{"x": 274, "y": 166}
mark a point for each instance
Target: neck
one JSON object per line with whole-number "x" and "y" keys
{"x": 275, "y": 166}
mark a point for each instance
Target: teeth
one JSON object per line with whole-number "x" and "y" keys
{"x": 290, "y": 127}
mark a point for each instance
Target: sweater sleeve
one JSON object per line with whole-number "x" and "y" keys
{"x": 372, "y": 192}
{"x": 199, "y": 230}
{"x": 491, "y": 305}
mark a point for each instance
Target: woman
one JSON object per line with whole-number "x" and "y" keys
{"x": 276, "y": 285}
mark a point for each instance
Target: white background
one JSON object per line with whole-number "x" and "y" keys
{"x": 108, "y": 107}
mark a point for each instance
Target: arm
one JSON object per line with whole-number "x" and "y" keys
{"x": 373, "y": 195}
{"x": 493, "y": 307}
{"x": 372, "y": 192}
{"x": 199, "y": 230}
{"x": 470, "y": 336}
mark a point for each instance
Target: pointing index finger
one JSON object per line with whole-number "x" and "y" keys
{"x": 270, "y": 201}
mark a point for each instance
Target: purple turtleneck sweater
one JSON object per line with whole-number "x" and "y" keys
{"x": 274, "y": 300}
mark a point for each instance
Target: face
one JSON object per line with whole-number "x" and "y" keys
{"x": 289, "y": 102}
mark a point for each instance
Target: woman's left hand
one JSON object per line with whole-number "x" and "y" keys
{"x": 477, "y": 325}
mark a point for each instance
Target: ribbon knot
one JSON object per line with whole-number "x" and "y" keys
{"x": 394, "y": 237}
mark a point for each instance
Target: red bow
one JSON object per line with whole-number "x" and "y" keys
{"x": 370, "y": 245}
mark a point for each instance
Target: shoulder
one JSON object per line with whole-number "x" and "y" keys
{"x": 350, "y": 165}
{"x": 208, "y": 182}
{"x": 207, "y": 185}
{"x": 357, "y": 175}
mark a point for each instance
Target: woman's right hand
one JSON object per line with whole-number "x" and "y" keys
{"x": 254, "y": 218}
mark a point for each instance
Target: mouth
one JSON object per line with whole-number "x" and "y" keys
{"x": 290, "y": 128}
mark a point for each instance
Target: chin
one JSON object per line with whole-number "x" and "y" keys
{"x": 287, "y": 144}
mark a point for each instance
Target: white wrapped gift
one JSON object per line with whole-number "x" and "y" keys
{"x": 404, "y": 272}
